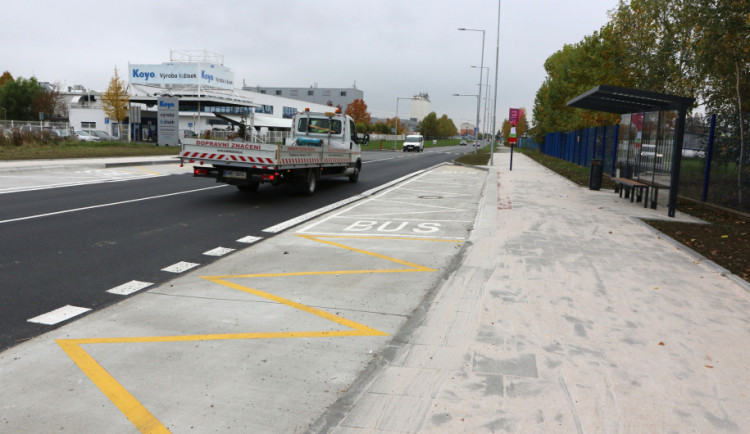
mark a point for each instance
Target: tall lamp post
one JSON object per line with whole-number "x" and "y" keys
{"x": 486, "y": 98}
{"x": 494, "y": 103}
{"x": 476, "y": 129}
{"x": 479, "y": 95}
{"x": 396, "y": 132}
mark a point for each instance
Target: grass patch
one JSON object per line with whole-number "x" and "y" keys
{"x": 573, "y": 172}
{"x": 481, "y": 158}
{"x": 387, "y": 145}
{"x": 52, "y": 150}
{"x": 725, "y": 240}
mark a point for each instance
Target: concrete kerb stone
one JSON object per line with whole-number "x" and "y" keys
{"x": 10, "y": 166}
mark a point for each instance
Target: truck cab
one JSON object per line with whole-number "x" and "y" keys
{"x": 333, "y": 129}
{"x": 414, "y": 142}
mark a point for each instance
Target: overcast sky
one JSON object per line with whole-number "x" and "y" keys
{"x": 389, "y": 48}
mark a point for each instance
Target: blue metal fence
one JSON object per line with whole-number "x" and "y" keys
{"x": 715, "y": 165}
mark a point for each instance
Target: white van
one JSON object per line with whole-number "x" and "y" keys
{"x": 414, "y": 142}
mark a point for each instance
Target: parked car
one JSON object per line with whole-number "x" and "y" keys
{"x": 100, "y": 134}
{"x": 31, "y": 129}
{"x": 187, "y": 134}
{"x": 60, "y": 133}
{"x": 86, "y": 136}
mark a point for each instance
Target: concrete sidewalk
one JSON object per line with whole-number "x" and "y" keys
{"x": 566, "y": 315}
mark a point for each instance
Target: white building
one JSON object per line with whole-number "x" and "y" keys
{"x": 203, "y": 86}
{"x": 420, "y": 107}
{"x": 319, "y": 95}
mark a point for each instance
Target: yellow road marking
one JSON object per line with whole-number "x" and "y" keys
{"x": 146, "y": 422}
{"x": 148, "y": 170}
{"x": 143, "y": 420}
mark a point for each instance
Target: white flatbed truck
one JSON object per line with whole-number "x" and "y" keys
{"x": 322, "y": 144}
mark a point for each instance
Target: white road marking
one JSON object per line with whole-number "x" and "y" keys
{"x": 129, "y": 288}
{"x": 416, "y": 178}
{"x": 59, "y": 315}
{"x": 320, "y": 211}
{"x": 249, "y": 239}
{"x": 381, "y": 235}
{"x": 219, "y": 251}
{"x": 180, "y": 267}
{"x": 104, "y": 205}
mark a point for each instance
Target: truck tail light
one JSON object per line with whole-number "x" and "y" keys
{"x": 200, "y": 171}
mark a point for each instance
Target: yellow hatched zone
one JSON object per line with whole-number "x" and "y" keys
{"x": 146, "y": 422}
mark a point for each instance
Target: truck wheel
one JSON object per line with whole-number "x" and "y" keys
{"x": 354, "y": 177}
{"x": 311, "y": 183}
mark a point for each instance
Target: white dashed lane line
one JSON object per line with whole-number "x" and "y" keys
{"x": 129, "y": 288}
{"x": 249, "y": 239}
{"x": 180, "y": 267}
{"x": 219, "y": 251}
{"x": 67, "y": 312}
{"x": 59, "y": 315}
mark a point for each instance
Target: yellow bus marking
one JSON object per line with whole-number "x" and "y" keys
{"x": 146, "y": 422}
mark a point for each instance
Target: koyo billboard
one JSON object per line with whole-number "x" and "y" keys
{"x": 182, "y": 73}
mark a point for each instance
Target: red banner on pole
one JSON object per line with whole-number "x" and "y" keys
{"x": 514, "y": 115}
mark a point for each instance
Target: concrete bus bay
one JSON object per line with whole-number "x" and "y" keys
{"x": 264, "y": 340}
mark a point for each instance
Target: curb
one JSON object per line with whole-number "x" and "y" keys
{"x": 92, "y": 164}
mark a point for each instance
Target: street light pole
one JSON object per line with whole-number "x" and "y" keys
{"x": 497, "y": 57}
{"x": 479, "y": 94}
{"x": 486, "y": 100}
{"x": 396, "y": 123}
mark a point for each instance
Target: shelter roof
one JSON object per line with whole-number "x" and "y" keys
{"x": 621, "y": 100}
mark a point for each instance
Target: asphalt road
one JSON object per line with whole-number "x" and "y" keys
{"x": 69, "y": 245}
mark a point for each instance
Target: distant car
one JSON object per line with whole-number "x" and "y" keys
{"x": 463, "y": 143}
{"x": 86, "y": 136}
{"x": 414, "y": 142}
{"x": 187, "y": 134}
{"x": 100, "y": 134}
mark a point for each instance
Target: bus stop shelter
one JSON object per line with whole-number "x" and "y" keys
{"x": 620, "y": 100}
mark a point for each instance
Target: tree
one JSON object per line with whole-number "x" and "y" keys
{"x": 429, "y": 126}
{"x": 521, "y": 126}
{"x": 20, "y": 98}
{"x": 363, "y": 127}
{"x": 357, "y": 109}
{"x": 6, "y": 77}
{"x": 392, "y": 123}
{"x": 381, "y": 128}
{"x": 723, "y": 63}
{"x": 446, "y": 127}
{"x": 51, "y": 103}
{"x": 115, "y": 100}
